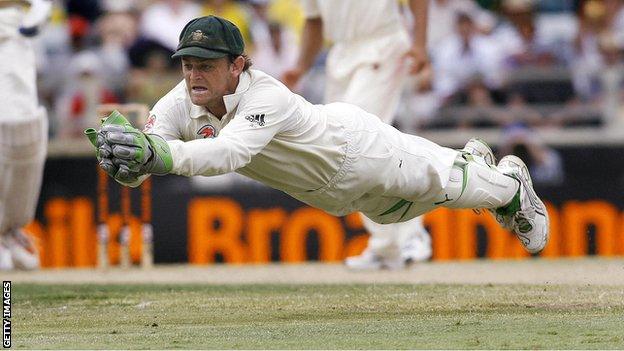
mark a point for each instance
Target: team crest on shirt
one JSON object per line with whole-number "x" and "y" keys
{"x": 208, "y": 131}
{"x": 149, "y": 124}
{"x": 256, "y": 119}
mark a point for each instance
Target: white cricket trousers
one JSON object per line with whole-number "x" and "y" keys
{"x": 392, "y": 177}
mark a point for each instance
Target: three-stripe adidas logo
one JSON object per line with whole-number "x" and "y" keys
{"x": 257, "y": 119}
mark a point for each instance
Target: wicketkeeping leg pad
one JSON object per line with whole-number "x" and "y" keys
{"x": 476, "y": 185}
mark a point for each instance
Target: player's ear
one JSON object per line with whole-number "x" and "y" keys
{"x": 237, "y": 65}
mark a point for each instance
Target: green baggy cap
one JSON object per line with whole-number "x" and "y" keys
{"x": 210, "y": 37}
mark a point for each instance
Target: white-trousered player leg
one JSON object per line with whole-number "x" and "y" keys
{"x": 383, "y": 250}
{"x": 415, "y": 241}
{"x": 22, "y": 157}
{"x": 393, "y": 245}
{"x": 376, "y": 87}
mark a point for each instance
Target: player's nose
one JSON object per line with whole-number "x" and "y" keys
{"x": 194, "y": 74}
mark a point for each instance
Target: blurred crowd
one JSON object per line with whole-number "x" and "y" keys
{"x": 495, "y": 63}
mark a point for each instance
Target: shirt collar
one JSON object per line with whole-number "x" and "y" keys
{"x": 231, "y": 100}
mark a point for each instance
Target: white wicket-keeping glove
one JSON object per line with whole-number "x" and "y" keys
{"x": 36, "y": 17}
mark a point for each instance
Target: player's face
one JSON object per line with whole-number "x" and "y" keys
{"x": 208, "y": 80}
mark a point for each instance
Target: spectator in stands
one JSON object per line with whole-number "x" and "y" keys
{"x": 90, "y": 10}
{"x": 462, "y": 43}
{"x": 117, "y": 32}
{"x": 288, "y": 13}
{"x": 482, "y": 111}
{"x": 420, "y": 102}
{"x": 587, "y": 60}
{"x": 611, "y": 79}
{"x": 518, "y": 111}
{"x": 442, "y": 15}
{"x": 77, "y": 104}
{"x": 153, "y": 73}
{"x": 598, "y": 71}
{"x": 615, "y": 19}
{"x": 275, "y": 47}
{"x": 520, "y": 41}
{"x": 79, "y": 31}
{"x": 54, "y": 49}
{"x": 463, "y": 56}
{"x": 60, "y": 42}
{"x": 129, "y": 6}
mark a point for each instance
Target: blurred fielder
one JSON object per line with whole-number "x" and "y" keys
{"x": 367, "y": 67}
{"x": 224, "y": 117}
{"x": 23, "y": 130}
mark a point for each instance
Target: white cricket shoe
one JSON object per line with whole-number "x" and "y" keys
{"x": 23, "y": 250}
{"x": 368, "y": 260}
{"x": 530, "y": 221}
{"x": 6, "y": 261}
{"x": 417, "y": 248}
{"x": 478, "y": 147}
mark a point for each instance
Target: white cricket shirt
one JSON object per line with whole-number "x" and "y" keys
{"x": 352, "y": 20}
{"x": 268, "y": 133}
{"x": 363, "y": 33}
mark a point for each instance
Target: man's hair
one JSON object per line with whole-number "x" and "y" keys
{"x": 248, "y": 62}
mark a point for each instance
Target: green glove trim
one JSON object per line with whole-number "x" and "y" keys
{"x": 160, "y": 150}
{"x": 116, "y": 118}
{"x": 91, "y": 133}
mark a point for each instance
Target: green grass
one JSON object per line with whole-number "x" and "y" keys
{"x": 318, "y": 316}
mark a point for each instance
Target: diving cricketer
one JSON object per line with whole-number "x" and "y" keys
{"x": 225, "y": 117}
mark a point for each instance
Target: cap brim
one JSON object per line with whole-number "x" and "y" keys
{"x": 199, "y": 52}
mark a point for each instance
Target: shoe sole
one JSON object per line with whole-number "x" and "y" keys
{"x": 525, "y": 178}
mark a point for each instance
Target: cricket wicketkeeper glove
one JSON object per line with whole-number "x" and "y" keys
{"x": 36, "y": 17}
{"x": 126, "y": 153}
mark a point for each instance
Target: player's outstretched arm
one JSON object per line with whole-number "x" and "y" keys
{"x": 126, "y": 153}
